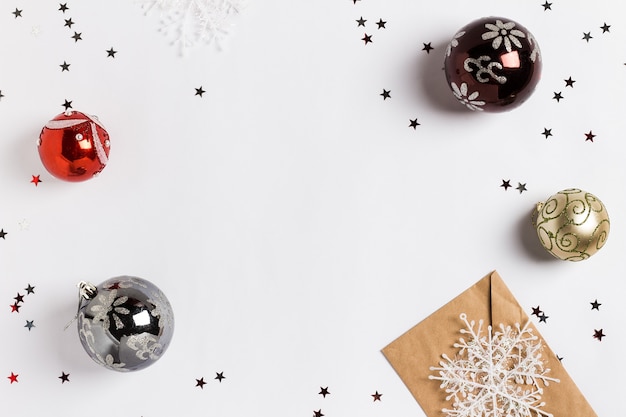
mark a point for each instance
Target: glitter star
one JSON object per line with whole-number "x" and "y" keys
{"x": 63, "y": 7}
{"x": 521, "y": 187}
{"x": 13, "y": 377}
{"x": 427, "y": 47}
{"x": 547, "y": 132}
{"x": 29, "y": 324}
{"x": 595, "y": 305}
{"x": 200, "y": 91}
{"x": 19, "y": 298}
{"x": 569, "y": 82}
{"x": 30, "y": 289}
{"x": 318, "y": 413}
{"x": 15, "y": 308}
{"x": 386, "y": 94}
{"x": 36, "y": 180}
{"x": 65, "y": 66}
{"x": 361, "y": 22}
{"x": 367, "y": 38}
{"x": 547, "y": 6}
{"x": 64, "y": 377}
{"x": 111, "y": 53}
{"x": 505, "y": 184}
{"x": 324, "y": 391}
{"x": 598, "y": 334}
{"x": 557, "y": 96}
{"x": 381, "y": 24}
{"x": 1, "y": 95}
{"x": 605, "y": 28}
{"x": 77, "y": 36}
{"x": 537, "y": 311}
{"x": 543, "y": 318}
{"x": 3, "y": 234}
{"x": 587, "y": 36}
{"x": 589, "y": 136}
{"x": 219, "y": 376}
{"x": 17, "y": 13}
{"x": 413, "y": 123}
{"x": 377, "y": 396}
{"x": 200, "y": 383}
{"x": 68, "y": 23}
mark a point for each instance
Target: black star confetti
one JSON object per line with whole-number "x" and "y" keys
{"x": 354, "y": 1}
{"x": 589, "y": 136}
{"x": 557, "y": 96}
{"x": 381, "y": 24}
{"x": 1, "y": 95}
{"x": 67, "y": 104}
{"x": 111, "y": 53}
{"x": 413, "y": 123}
{"x": 547, "y": 132}
{"x": 537, "y": 311}
{"x": 587, "y": 36}
{"x": 427, "y": 47}
{"x": 17, "y": 13}
{"x": 3, "y": 234}
{"x": 377, "y": 396}
{"x": 199, "y": 91}
{"x": 506, "y": 184}
{"x": 324, "y": 391}
{"x": 29, "y": 324}
{"x": 69, "y": 23}
{"x": 64, "y": 377}
{"x": 219, "y": 376}
{"x": 569, "y": 82}
{"x": 318, "y": 413}
{"x": 547, "y": 6}
{"x": 521, "y": 187}
{"x": 36, "y": 180}
{"x": 605, "y": 28}
{"x": 367, "y": 38}
{"x": 29, "y": 289}
{"x": 63, "y": 7}
{"x": 65, "y": 66}
{"x": 386, "y": 94}
{"x": 598, "y": 334}
{"x": 200, "y": 383}
{"x": 560, "y": 358}
{"x": 361, "y": 22}
{"x": 595, "y": 305}
{"x": 543, "y": 318}
{"x": 77, "y": 36}
{"x": 19, "y": 298}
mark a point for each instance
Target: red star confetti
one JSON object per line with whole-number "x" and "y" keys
{"x": 13, "y": 377}
{"x": 36, "y": 180}
{"x": 15, "y": 308}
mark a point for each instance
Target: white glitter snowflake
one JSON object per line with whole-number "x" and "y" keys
{"x": 191, "y": 22}
{"x": 496, "y": 374}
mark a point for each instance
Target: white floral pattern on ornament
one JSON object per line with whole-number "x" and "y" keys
{"x": 106, "y": 305}
{"x": 503, "y": 33}
{"x": 496, "y": 374}
{"x": 469, "y": 100}
{"x": 454, "y": 42}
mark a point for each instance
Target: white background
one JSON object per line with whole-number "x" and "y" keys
{"x": 294, "y": 220}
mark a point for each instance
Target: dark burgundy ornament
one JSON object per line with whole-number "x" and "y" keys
{"x": 493, "y": 64}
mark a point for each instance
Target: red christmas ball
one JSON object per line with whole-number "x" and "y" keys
{"x": 493, "y": 64}
{"x": 74, "y": 146}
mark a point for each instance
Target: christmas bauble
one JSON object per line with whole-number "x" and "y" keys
{"x": 74, "y": 146}
{"x": 492, "y": 64}
{"x": 572, "y": 224}
{"x": 125, "y": 323}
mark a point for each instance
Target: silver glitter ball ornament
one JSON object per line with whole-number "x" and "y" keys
{"x": 125, "y": 323}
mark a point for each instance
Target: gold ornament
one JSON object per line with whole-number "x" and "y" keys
{"x": 572, "y": 224}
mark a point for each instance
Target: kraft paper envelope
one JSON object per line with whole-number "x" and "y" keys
{"x": 413, "y": 353}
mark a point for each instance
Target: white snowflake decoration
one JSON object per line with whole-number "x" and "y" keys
{"x": 191, "y": 22}
{"x": 496, "y": 374}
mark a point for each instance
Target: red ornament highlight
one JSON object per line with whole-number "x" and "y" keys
{"x": 493, "y": 64}
{"x": 74, "y": 146}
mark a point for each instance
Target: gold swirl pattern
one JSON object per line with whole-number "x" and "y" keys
{"x": 572, "y": 224}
